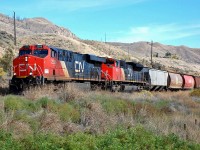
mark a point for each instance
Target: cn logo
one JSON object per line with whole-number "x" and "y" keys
{"x": 79, "y": 67}
{"x": 24, "y": 67}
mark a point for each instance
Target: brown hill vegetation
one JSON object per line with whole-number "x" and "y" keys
{"x": 190, "y": 55}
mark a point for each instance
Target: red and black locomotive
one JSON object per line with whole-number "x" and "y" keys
{"x": 41, "y": 64}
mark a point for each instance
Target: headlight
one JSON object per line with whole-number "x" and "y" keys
{"x": 26, "y": 58}
{"x": 30, "y": 72}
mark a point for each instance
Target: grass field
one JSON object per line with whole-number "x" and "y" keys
{"x": 72, "y": 118}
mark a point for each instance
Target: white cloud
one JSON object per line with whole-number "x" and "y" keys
{"x": 159, "y": 33}
{"x": 140, "y": 30}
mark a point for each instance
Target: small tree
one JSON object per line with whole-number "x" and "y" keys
{"x": 168, "y": 54}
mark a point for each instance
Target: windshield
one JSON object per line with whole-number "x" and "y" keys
{"x": 40, "y": 53}
{"x": 24, "y": 52}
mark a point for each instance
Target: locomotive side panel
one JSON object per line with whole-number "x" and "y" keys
{"x": 111, "y": 70}
{"x": 132, "y": 73}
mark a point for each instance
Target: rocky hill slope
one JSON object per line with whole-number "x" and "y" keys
{"x": 6, "y": 41}
{"x": 31, "y": 26}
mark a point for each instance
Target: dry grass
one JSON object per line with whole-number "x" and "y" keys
{"x": 175, "y": 124}
{"x": 35, "y": 93}
{"x": 62, "y": 92}
{"x": 20, "y": 129}
{"x": 50, "y": 122}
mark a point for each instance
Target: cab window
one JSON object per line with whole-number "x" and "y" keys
{"x": 24, "y": 52}
{"x": 40, "y": 53}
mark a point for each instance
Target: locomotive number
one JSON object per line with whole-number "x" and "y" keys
{"x": 79, "y": 67}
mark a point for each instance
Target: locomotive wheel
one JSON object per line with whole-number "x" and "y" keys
{"x": 122, "y": 88}
{"x": 115, "y": 88}
{"x": 93, "y": 86}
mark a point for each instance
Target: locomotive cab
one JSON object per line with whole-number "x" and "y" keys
{"x": 28, "y": 67}
{"x": 30, "y": 61}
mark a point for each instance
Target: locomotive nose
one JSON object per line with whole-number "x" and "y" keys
{"x": 24, "y": 66}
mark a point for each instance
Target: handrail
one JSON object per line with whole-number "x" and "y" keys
{"x": 107, "y": 75}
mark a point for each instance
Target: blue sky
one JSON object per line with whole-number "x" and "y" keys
{"x": 171, "y": 22}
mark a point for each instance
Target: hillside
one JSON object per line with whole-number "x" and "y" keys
{"x": 6, "y": 40}
{"x": 99, "y": 48}
{"x": 190, "y": 55}
{"x": 39, "y": 30}
{"x": 30, "y": 26}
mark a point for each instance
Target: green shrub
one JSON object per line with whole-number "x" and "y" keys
{"x": 13, "y": 103}
{"x": 133, "y": 138}
{"x": 68, "y": 112}
{"x": 65, "y": 110}
{"x": 120, "y": 139}
{"x": 139, "y": 138}
{"x": 49, "y": 104}
{"x": 114, "y": 106}
{"x": 82, "y": 141}
{"x": 8, "y": 142}
{"x": 43, "y": 142}
{"x": 161, "y": 104}
{"x": 32, "y": 106}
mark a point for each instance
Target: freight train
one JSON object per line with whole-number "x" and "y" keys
{"x": 42, "y": 64}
